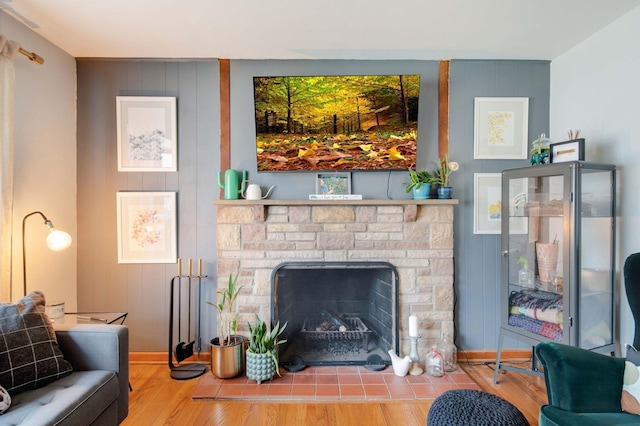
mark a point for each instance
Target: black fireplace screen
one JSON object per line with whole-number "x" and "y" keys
{"x": 339, "y": 313}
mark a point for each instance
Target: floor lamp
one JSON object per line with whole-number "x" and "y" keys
{"x": 56, "y": 241}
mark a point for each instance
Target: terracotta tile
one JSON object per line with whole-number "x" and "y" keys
{"x": 206, "y": 391}
{"x": 349, "y": 379}
{"x": 347, "y": 369}
{"x": 440, "y": 380}
{"x": 443, "y": 387}
{"x": 307, "y": 379}
{"x": 284, "y": 379}
{"x": 372, "y": 379}
{"x": 376, "y": 392}
{"x": 303, "y": 391}
{"x": 395, "y": 380}
{"x": 279, "y": 391}
{"x": 326, "y": 370}
{"x": 326, "y": 379}
{"x": 230, "y": 391}
{"x": 422, "y": 378}
{"x": 239, "y": 380}
{"x": 425, "y": 391}
{"x": 255, "y": 391}
{"x": 327, "y": 391}
{"x": 400, "y": 391}
{"x": 351, "y": 391}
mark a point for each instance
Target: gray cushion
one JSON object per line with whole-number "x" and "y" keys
{"x": 29, "y": 354}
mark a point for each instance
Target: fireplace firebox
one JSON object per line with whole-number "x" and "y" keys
{"x": 338, "y": 313}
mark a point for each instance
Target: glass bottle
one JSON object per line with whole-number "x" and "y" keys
{"x": 449, "y": 353}
{"x": 434, "y": 363}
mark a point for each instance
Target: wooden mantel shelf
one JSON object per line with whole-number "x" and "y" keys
{"x": 269, "y": 202}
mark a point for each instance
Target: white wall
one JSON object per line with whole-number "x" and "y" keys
{"x": 595, "y": 88}
{"x": 45, "y": 164}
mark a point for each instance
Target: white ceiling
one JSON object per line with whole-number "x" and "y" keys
{"x": 323, "y": 29}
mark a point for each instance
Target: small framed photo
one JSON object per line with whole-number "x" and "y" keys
{"x": 487, "y": 203}
{"x": 146, "y": 227}
{"x": 500, "y": 128}
{"x": 567, "y": 151}
{"x": 333, "y": 183}
{"x": 147, "y": 134}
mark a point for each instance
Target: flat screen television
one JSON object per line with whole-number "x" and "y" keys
{"x": 328, "y": 123}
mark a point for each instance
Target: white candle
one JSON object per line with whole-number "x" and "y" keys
{"x": 199, "y": 267}
{"x": 413, "y": 326}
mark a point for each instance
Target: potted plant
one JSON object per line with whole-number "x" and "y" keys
{"x": 262, "y": 354}
{"x": 419, "y": 183}
{"x": 228, "y": 349}
{"x": 445, "y": 168}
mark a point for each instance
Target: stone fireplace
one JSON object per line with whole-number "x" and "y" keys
{"x": 414, "y": 237}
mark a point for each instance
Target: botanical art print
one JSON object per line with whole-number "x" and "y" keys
{"x": 487, "y": 203}
{"x": 146, "y": 134}
{"x": 146, "y": 227}
{"x": 500, "y": 128}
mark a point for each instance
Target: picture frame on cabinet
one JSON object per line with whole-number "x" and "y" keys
{"x": 572, "y": 150}
{"x": 147, "y": 134}
{"x": 501, "y": 127}
{"x": 146, "y": 227}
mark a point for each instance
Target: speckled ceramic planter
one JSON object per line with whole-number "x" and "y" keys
{"x": 260, "y": 367}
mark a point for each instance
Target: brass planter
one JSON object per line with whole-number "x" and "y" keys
{"x": 228, "y": 361}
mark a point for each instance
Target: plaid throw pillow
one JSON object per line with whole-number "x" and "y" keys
{"x": 29, "y": 354}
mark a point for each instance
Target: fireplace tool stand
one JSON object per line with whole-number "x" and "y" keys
{"x": 185, "y": 350}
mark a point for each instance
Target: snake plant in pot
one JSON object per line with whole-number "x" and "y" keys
{"x": 228, "y": 349}
{"x": 262, "y": 355}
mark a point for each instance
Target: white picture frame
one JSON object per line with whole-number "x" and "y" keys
{"x": 333, "y": 184}
{"x": 487, "y": 203}
{"x": 146, "y": 227}
{"x": 500, "y": 128}
{"x": 147, "y": 134}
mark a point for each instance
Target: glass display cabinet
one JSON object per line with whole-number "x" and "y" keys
{"x": 558, "y": 230}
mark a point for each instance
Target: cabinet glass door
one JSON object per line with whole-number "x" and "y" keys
{"x": 595, "y": 246}
{"x": 536, "y": 243}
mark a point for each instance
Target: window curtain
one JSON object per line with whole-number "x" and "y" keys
{"x": 8, "y": 51}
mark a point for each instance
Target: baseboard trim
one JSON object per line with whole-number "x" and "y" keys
{"x": 463, "y": 355}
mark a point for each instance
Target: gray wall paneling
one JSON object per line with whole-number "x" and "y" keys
{"x": 478, "y": 256}
{"x": 143, "y": 289}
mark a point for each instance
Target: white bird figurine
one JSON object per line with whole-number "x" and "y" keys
{"x": 400, "y": 365}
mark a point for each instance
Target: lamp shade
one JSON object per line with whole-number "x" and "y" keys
{"x": 58, "y": 240}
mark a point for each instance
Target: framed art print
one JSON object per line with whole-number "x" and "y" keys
{"x": 147, "y": 134}
{"x": 487, "y": 203}
{"x": 500, "y": 129}
{"x": 146, "y": 227}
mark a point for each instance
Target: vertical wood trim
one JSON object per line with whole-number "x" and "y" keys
{"x": 443, "y": 109}
{"x": 225, "y": 114}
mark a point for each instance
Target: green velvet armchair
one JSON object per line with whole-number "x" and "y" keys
{"x": 584, "y": 388}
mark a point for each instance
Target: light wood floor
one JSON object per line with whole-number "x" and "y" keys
{"x": 159, "y": 400}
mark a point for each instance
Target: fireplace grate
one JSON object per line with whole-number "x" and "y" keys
{"x": 357, "y": 331}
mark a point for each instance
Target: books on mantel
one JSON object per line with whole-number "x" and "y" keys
{"x": 335, "y": 196}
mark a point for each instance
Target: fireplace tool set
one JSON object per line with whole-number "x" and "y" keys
{"x": 184, "y": 285}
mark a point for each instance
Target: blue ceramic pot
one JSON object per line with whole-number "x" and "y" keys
{"x": 444, "y": 192}
{"x": 423, "y": 192}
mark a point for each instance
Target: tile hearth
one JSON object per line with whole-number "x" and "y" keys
{"x": 331, "y": 383}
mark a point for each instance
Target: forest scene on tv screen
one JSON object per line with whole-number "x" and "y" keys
{"x": 336, "y": 122}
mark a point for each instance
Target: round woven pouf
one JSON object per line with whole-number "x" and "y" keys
{"x": 468, "y": 407}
